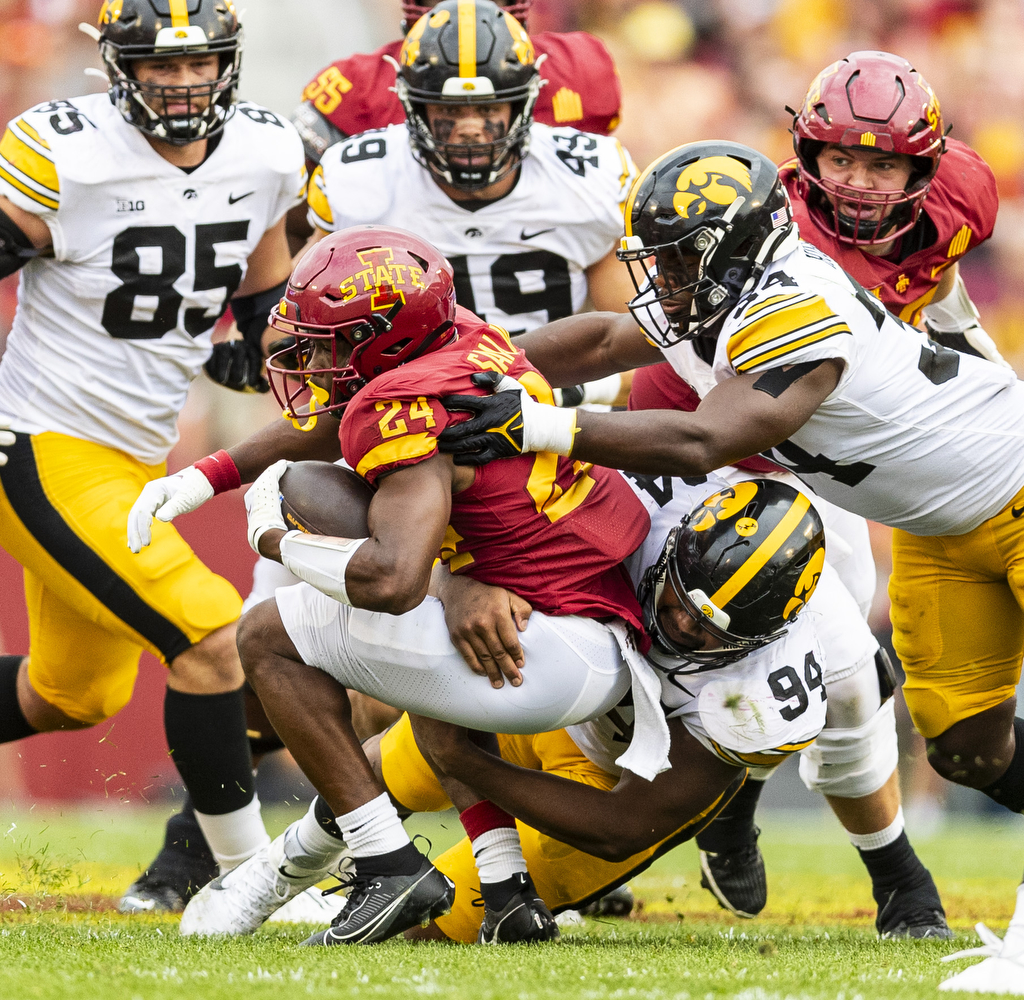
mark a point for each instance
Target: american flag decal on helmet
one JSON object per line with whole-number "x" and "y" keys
{"x": 779, "y": 217}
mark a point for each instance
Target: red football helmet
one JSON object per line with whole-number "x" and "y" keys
{"x": 871, "y": 100}
{"x": 412, "y": 12}
{"x": 386, "y": 294}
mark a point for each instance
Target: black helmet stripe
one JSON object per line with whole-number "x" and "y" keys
{"x": 467, "y": 37}
{"x": 763, "y": 553}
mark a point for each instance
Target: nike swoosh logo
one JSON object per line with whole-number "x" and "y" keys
{"x": 1017, "y": 511}
{"x": 232, "y": 199}
{"x": 524, "y": 235}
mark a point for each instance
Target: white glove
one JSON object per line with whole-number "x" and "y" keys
{"x": 263, "y": 504}
{"x": 6, "y": 438}
{"x": 545, "y": 428}
{"x": 165, "y": 499}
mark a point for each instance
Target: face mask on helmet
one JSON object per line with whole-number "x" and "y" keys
{"x": 871, "y": 101}
{"x": 742, "y": 564}
{"x": 131, "y": 31}
{"x": 453, "y": 60}
{"x": 702, "y": 224}
{"x": 361, "y": 302}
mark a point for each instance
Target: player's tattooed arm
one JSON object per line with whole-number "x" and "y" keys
{"x": 587, "y": 347}
{"x": 610, "y": 824}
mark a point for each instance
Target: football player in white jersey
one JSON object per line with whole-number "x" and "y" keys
{"x": 811, "y": 371}
{"x": 135, "y": 216}
{"x": 742, "y": 688}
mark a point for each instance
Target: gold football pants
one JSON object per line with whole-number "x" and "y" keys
{"x": 958, "y": 624}
{"x": 93, "y": 606}
{"x": 565, "y": 877}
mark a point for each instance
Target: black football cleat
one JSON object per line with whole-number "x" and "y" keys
{"x": 736, "y": 878}
{"x": 184, "y": 865}
{"x": 381, "y": 906}
{"x": 617, "y": 903}
{"x": 913, "y": 913}
{"x": 525, "y": 919}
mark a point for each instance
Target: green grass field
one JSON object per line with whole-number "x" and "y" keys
{"x": 61, "y": 871}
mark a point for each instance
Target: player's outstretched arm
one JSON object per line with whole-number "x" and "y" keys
{"x": 587, "y": 347}
{"x": 738, "y": 418}
{"x": 610, "y": 824}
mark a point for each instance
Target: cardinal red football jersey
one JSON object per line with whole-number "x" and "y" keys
{"x": 552, "y": 530}
{"x": 354, "y": 94}
{"x": 961, "y": 203}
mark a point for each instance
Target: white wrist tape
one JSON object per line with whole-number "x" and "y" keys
{"x": 548, "y": 428}
{"x": 319, "y": 561}
{"x": 603, "y": 390}
{"x": 953, "y": 314}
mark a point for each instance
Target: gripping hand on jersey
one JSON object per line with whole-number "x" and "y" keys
{"x": 165, "y": 499}
{"x": 6, "y": 438}
{"x": 238, "y": 365}
{"x": 505, "y": 424}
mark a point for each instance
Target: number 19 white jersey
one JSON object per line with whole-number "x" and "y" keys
{"x": 112, "y": 327}
{"x": 519, "y": 261}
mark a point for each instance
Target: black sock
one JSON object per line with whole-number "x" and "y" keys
{"x": 325, "y": 817}
{"x": 497, "y": 894}
{"x": 1008, "y": 788}
{"x": 734, "y": 825}
{"x": 405, "y": 861}
{"x": 896, "y": 866}
{"x": 206, "y": 734}
{"x": 13, "y": 724}
{"x": 183, "y": 835}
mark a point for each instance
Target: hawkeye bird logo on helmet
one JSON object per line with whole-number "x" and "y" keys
{"x": 717, "y": 179}
{"x": 743, "y": 564}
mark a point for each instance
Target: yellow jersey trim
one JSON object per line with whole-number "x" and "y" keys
{"x": 399, "y": 450}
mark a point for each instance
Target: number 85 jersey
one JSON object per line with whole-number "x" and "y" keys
{"x": 111, "y": 329}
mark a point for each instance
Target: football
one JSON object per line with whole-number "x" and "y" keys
{"x": 324, "y": 499}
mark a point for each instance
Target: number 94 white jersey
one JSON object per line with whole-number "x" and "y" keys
{"x": 111, "y": 329}
{"x": 518, "y": 261}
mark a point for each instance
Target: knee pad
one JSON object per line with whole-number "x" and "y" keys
{"x": 848, "y": 763}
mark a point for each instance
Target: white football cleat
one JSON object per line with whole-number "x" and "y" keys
{"x": 309, "y": 907}
{"x": 1002, "y": 970}
{"x": 239, "y": 901}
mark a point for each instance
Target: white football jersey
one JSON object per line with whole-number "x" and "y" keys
{"x": 519, "y": 262}
{"x": 916, "y": 436}
{"x": 111, "y": 329}
{"x": 752, "y": 713}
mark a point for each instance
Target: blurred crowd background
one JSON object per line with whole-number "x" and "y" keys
{"x": 690, "y": 69}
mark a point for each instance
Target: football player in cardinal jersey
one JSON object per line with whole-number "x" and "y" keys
{"x": 357, "y": 94}
{"x": 378, "y": 333}
{"x": 135, "y": 216}
{"x": 877, "y": 187}
{"x": 811, "y": 371}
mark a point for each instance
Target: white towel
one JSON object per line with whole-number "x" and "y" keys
{"x": 647, "y": 754}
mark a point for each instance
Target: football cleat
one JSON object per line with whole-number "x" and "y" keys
{"x": 617, "y": 903}
{"x": 913, "y": 913}
{"x": 239, "y": 901}
{"x": 736, "y": 878}
{"x": 524, "y": 919}
{"x": 1002, "y": 970}
{"x": 183, "y": 866}
{"x": 381, "y": 906}
{"x": 309, "y": 907}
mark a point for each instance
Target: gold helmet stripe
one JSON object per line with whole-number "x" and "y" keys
{"x": 760, "y": 556}
{"x": 179, "y": 13}
{"x": 467, "y": 37}
{"x": 627, "y": 209}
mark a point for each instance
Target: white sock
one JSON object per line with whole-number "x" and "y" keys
{"x": 234, "y": 836}
{"x": 873, "y": 841}
{"x": 308, "y": 845}
{"x": 498, "y": 854}
{"x": 374, "y": 828}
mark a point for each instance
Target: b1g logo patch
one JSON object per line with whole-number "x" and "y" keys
{"x": 719, "y": 180}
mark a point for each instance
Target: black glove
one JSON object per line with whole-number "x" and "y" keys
{"x": 237, "y": 365}
{"x": 494, "y": 431}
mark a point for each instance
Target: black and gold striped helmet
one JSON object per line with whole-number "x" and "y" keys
{"x": 130, "y": 30}
{"x": 743, "y": 563}
{"x": 713, "y": 215}
{"x": 468, "y": 52}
